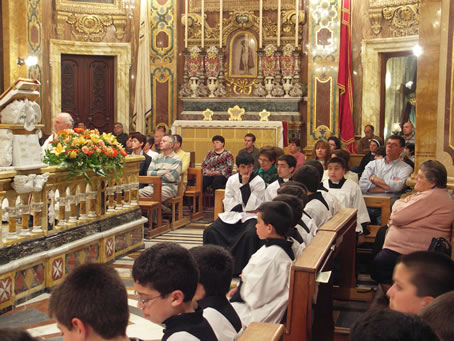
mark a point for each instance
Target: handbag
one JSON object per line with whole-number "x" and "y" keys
{"x": 440, "y": 245}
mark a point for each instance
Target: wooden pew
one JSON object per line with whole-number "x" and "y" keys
{"x": 332, "y": 240}
{"x": 177, "y": 218}
{"x": 153, "y": 205}
{"x": 218, "y": 205}
{"x": 195, "y": 192}
{"x": 378, "y": 202}
{"x": 263, "y": 331}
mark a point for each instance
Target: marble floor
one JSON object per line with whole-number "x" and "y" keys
{"x": 32, "y": 314}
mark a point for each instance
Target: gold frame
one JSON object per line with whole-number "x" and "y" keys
{"x": 117, "y": 8}
{"x": 231, "y": 52}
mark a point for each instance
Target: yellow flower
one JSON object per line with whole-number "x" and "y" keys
{"x": 58, "y": 150}
{"x": 94, "y": 138}
{"x": 108, "y": 137}
{"x": 73, "y": 154}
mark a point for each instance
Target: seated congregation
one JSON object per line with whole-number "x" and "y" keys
{"x": 275, "y": 210}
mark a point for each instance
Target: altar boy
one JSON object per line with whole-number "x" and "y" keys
{"x": 347, "y": 192}
{"x": 262, "y": 295}
{"x": 235, "y": 227}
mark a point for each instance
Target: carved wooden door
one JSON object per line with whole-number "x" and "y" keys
{"x": 87, "y": 86}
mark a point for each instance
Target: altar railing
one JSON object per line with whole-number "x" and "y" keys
{"x": 63, "y": 202}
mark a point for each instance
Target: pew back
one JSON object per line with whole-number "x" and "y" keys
{"x": 334, "y": 239}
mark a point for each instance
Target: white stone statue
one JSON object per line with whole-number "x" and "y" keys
{"x": 23, "y": 112}
{"x": 6, "y": 147}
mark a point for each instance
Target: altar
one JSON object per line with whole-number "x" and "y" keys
{"x": 197, "y": 135}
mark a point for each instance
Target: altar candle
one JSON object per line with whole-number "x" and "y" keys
{"x": 279, "y": 23}
{"x": 220, "y": 26}
{"x": 297, "y": 7}
{"x": 260, "y": 23}
{"x": 203, "y": 24}
{"x": 186, "y": 24}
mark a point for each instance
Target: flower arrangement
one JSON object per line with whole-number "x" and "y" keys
{"x": 81, "y": 149}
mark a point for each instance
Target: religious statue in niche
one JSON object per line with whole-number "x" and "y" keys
{"x": 243, "y": 55}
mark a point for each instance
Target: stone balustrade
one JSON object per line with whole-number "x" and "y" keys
{"x": 64, "y": 201}
{"x": 46, "y": 233}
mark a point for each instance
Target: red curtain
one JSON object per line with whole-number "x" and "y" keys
{"x": 345, "y": 79}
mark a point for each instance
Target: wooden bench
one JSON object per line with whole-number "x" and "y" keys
{"x": 382, "y": 202}
{"x": 257, "y": 331}
{"x": 306, "y": 321}
{"x": 195, "y": 192}
{"x": 218, "y": 204}
{"x": 177, "y": 219}
{"x": 153, "y": 206}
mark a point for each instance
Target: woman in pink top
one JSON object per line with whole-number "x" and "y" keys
{"x": 294, "y": 150}
{"x": 416, "y": 219}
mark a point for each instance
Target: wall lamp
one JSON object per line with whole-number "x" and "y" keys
{"x": 29, "y": 61}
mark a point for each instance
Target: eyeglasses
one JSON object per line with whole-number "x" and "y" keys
{"x": 142, "y": 300}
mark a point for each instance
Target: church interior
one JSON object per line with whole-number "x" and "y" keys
{"x": 280, "y": 69}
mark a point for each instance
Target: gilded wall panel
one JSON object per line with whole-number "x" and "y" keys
{"x": 323, "y": 60}
{"x": 163, "y": 61}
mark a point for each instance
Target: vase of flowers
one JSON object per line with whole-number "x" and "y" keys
{"x": 81, "y": 149}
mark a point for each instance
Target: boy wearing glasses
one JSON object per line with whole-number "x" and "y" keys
{"x": 165, "y": 279}
{"x": 91, "y": 304}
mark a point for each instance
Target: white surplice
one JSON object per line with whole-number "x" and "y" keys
{"x": 233, "y": 197}
{"x": 265, "y": 287}
{"x": 350, "y": 196}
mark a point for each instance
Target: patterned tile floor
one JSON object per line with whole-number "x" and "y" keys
{"x": 32, "y": 315}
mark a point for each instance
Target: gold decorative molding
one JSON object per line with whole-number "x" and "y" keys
{"x": 264, "y": 115}
{"x": 70, "y": 6}
{"x": 235, "y": 113}
{"x": 240, "y": 85}
{"x": 375, "y": 16}
{"x": 243, "y": 20}
{"x": 89, "y": 27}
{"x": 207, "y": 115}
{"x": 401, "y": 15}
{"x": 120, "y": 27}
{"x": 245, "y": 5}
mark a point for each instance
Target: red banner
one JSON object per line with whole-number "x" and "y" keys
{"x": 345, "y": 80}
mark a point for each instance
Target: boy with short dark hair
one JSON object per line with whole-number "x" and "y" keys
{"x": 235, "y": 227}
{"x": 286, "y": 165}
{"x": 262, "y": 295}
{"x": 347, "y": 192}
{"x": 216, "y": 268}
{"x": 317, "y": 207}
{"x": 306, "y": 225}
{"x": 165, "y": 279}
{"x": 92, "y": 304}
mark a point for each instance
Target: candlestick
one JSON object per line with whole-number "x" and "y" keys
{"x": 279, "y": 23}
{"x": 297, "y": 7}
{"x": 220, "y": 25}
{"x": 203, "y": 24}
{"x": 260, "y": 23}
{"x": 186, "y": 24}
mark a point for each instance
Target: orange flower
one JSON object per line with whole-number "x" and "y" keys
{"x": 79, "y": 130}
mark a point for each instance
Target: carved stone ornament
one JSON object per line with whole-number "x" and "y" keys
{"x": 235, "y": 113}
{"x": 264, "y": 115}
{"x": 402, "y": 16}
{"x": 89, "y": 20}
{"x": 89, "y": 27}
{"x": 207, "y": 115}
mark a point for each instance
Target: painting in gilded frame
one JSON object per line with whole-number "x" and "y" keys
{"x": 243, "y": 55}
